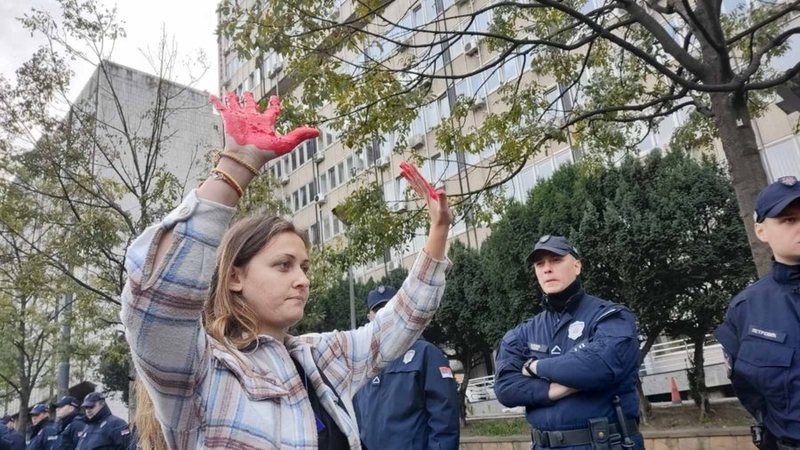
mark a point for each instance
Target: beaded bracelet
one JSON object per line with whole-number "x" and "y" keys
{"x": 241, "y": 162}
{"x": 219, "y": 174}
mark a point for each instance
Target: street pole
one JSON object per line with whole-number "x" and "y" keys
{"x": 66, "y": 333}
{"x": 352, "y": 299}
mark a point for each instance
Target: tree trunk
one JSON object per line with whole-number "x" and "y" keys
{"x": 697, "y": 377}
{"x": 466, "y": 361}
{"x": 645, "y": 408}
{"x": 744, "y": 162}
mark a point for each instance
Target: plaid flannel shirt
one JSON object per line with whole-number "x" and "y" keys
{"x": 207, "y": 396}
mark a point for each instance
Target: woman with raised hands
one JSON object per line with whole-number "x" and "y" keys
{"x": 208, "y": 307}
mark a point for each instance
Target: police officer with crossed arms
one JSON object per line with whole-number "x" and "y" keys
{"x": 761, "y": 330}
{"x": 574, "y": 366}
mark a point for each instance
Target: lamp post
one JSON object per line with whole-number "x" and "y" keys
{"x": 350, "y": 277}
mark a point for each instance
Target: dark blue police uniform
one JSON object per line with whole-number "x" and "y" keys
{"x": 413, "y": 403}
{"x": 103, "y": 430}
{"x": 44, "y": 433}
{"x": 592, "y": 346}
{"x": 761, "y": 337}
{"x": 70, "y": 429}
{"x": 586, "y": 343}
{"x": 10, "y": 439}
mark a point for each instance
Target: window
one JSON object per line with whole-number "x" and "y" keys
{"x": 509, "y": 69}
{"x": 293, "y": 159}
{"x": 544, "y": 169}
{"x": 340, "y": 168}
{"x": 417, "y": 17}
{"x": 326, "y": 227}
{"x": 295, "y": 201}
{"x": 303, "y": 197}
{"x": 562, "y": 157}
{"x": 311, "y": 147}
{"x": 527, "y": 180}
{"x": 332, "y": 177}
{"x": 783, "y": 158}
{"x": 323, "y": 183}
{"x": 492, "y": 80}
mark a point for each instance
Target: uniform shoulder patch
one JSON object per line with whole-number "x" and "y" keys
{"x": 446, "y": 372}
{"x": 125, "y": 431}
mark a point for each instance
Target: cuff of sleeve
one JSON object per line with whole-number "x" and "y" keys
{"x": 206, "y": 221}
{"x": 429, "y": 270}
{"x": 541, "y": 396}
{"x": 544, "y": 368}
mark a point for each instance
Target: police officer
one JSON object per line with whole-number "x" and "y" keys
{"x": 70, "y": 423}
{"x": 103, "y": 429}
{"x": 10, "y": 439}
{"x": 761, "y": 330}
{"x": 44, "y": 432}
{"x": 413, "y": 403}
{"x": 574, "y": 366}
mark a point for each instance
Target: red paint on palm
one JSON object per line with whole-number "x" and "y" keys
{"x": 412, "y": 174}
{"x": 247, "y": 126}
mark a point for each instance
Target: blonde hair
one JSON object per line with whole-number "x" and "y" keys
{"x": 145, "y": 424}
{"x": 227, "y": 318}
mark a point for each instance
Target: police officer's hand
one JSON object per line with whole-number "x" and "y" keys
{"x": 251, "y": 135}
{"x": 529, "y": 368}
{"x": 559, "y": 391}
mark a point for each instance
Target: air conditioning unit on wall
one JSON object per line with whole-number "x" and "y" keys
{"x": 471, "y": 47}
{"x": 416, "y": 141}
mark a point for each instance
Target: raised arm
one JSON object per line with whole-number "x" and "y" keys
{"x": 171, "y": 264}
{"x": 398, "y": 325}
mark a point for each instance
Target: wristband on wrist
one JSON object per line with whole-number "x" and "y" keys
{"x": 241, "y": 162}
{"x": 219, "y": 174}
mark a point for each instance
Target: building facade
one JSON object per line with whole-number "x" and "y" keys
{"x": 316, "y": 177}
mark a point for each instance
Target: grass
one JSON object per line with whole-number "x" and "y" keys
{"x": 499, "y": 427}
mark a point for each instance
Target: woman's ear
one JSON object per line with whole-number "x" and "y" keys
{"x": 235, "y": 277}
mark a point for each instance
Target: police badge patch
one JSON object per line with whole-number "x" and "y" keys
{"x": 408, "y": 356}
{"x": 576, "y": 329}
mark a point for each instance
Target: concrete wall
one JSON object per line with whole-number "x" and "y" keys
{"x": 721, "y": 439}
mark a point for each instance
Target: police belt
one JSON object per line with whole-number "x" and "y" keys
{"x": 788, "y": 446}
{"x": 569, "y": 438}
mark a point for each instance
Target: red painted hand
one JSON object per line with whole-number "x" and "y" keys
{"x": 248, "y": 128}
{"x": 438, "y": 209}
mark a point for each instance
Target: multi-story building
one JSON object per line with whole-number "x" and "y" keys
{"x": 126, "y": 108}
{"x": 317, "y": 177}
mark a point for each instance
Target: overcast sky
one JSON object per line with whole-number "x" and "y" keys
{"x": 190, "y": 23}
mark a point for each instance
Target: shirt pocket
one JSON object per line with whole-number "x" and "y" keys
{"x": 765, "y": 365}
{"x": 402, "y": 385}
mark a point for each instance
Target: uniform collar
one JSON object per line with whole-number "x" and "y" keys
{"x": 569, "y": 298}
{"x": 102, "y": 414}
{"x": 785, "y": 274}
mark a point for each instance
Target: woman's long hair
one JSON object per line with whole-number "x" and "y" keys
{"x": 226, "y": 316}
{"x": 145, "y": 425}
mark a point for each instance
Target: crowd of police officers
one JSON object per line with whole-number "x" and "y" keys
{"x": 573, "y": 366}
{"x": 87, "y": 425}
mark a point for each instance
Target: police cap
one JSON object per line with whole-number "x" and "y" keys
{"x": 379, "y": 296}
{"x": 773, "y": 199}
{"x": 552, "y": 244}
